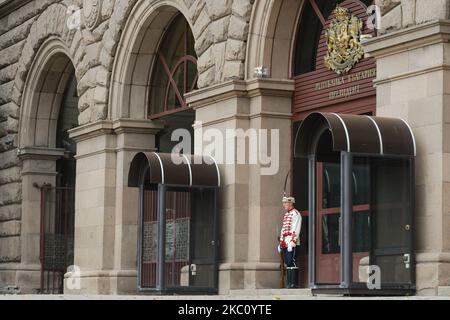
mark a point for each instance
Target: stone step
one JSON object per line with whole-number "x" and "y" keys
{"x": 271, "y": 293}
{"x": 293, "y": 295}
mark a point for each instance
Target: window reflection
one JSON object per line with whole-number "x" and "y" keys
{"x": 330, "y": 233}
{"x": 332, "y": 184}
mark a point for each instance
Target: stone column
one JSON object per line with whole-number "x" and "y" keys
{"x": 38, "y": 169}
{"x": 249, "y": 202}
{"x": 105, "y": 209}
{"x": 133, "y": 136}
{"x": 413, "y": 76}
{"x": 94, "y": 207}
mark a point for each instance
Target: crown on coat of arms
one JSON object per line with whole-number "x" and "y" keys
{"x": 341, "y": 13}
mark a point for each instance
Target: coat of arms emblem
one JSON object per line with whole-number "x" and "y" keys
{"x": 343, "y": 42}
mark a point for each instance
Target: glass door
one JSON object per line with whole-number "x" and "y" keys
{"x": 178, "y": 237}
{"x": 392, "y": 218}
{"x": 328, "y": 255}
{"x": 190, "y": 259}
{"x": 328, "y": 250}
{"x": 190, "y": 239}
{"x": 203, "y": 240}
{"x": 149, "y": 238}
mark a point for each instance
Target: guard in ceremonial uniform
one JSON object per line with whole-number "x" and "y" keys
{"x": 289, "y": 240}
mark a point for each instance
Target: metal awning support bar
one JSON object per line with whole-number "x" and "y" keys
{"x": 160, "y": 283}
{"x": 312, "y": 222}
{"x": 346, "y": 225}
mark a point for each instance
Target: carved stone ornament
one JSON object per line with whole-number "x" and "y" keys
{"x": 92, "y": 13}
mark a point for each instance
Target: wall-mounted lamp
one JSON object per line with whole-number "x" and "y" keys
{"x": 261, "y": 72}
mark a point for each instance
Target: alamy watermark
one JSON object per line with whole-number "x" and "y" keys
{"x": 74, "y": 17}
{"x": 73, "y": 278}
{"x": 374, "y": 17}
{"x": 231, "y": 146}
{"x": 374, "y": 277}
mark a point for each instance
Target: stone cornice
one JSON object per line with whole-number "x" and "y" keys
{"x": 36, "y": 153}
{"x": 137, "y": 126}
{"x": 409, "y": 38}
{"x": 118, "y": 126}
{"x": 216, "y": 93}
{"x": 240, "y": 88}
{"x": 270, "y": 87}
{"x": 8, "y": 6}
{"x": 91, "y": 130}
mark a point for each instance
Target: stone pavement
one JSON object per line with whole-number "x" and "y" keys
{"x": 241, "y": 295}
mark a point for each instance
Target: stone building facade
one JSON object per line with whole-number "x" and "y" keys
{"x": 111, "y": 54}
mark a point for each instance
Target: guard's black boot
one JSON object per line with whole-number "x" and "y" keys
{"x": 290, "y": 275}
{"x": 294, "y": 283}
{"x": 287, "y": 279}
{"x": 292, "y": 278}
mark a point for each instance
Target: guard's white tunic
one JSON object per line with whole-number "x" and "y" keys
{"x": 292, "y": 223}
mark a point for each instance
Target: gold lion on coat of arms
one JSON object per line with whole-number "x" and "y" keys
{"x": 343, "y": 42}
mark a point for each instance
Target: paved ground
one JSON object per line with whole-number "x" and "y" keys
{"x": 190, "y": 298}
{"x": 268, "y": 294}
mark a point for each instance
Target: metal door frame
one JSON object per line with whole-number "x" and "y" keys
{"x": 45, "y": 286}
{"x": 161, "y": 268}
{"x": 411, "y": 237}
{"x": 347, "y": 286}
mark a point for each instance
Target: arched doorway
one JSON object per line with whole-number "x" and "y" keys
{"x": 145, "y": 109}
{"x": 58, "y": 200}
{"x": 49, "y": 110}
{"x": 331, "y": 74}
{"x": 174, "y": 73}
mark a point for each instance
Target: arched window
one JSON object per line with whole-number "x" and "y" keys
{"x": 175, "y": 70}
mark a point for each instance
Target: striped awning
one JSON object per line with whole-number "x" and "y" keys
{"x": 173, "y": 169}
{"x": 357, "y": 134}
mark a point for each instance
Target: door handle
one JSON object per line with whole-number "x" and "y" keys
{"x": 339, "y": 231}
{"x": 193, "y": 268}
{"x": 407, "y": 260}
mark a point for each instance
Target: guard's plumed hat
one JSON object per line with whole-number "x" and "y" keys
{"x": 288, "y": 200}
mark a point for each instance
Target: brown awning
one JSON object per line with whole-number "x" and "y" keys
{"x": 356, "y": 134}
{"x": 188, "y": 170}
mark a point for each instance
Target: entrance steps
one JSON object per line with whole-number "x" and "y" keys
{"x": 236, "y": 295}
{"x": 272, "y": 294}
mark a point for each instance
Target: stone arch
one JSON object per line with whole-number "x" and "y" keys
{"x": 50, "y": 23}
{"x": 134, "y": 60}
{"x": 220, "y": 29}
{"x": 273, "y": 30}
{"x": 45, "y": 87}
